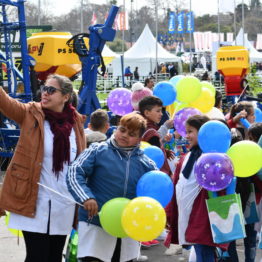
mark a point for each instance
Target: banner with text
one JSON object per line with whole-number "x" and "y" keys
{"x": 172, "y": 23}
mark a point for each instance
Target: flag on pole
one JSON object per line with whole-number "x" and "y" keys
{"x": 230, "y": 37}
{"x": 172, "y": 23}
{"x": 259, "y": 41}
{"x": 94, "y": 19}
{"x": 180, "y": 23}
{"x": 123, "y": 21}
{"x": 190, "y": 22}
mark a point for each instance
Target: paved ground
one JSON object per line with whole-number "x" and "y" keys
{"x": 11, "y": 251}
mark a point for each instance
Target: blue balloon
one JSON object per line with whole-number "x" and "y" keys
{"x": 156, "y": 184}
{"x": 166, "y": 92}
{"x": 175, "y": 79}
{"x": 156, "y": 154}
{"x": 214, "y": 136}
{"x": 258, "y": 115}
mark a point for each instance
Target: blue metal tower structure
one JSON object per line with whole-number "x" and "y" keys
{"x": 6, "y": 28}
{"x": 91, "y": 60}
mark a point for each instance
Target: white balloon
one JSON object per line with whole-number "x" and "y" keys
{"x": 215, "y": 113}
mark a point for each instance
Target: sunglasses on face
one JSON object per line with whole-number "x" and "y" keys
{"x": 49, "y": 89}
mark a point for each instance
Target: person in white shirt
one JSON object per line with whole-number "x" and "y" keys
{"x": 51, "y": 136}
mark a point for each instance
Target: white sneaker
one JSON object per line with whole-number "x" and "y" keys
{"x": 142, "y": 258}
{"x": 162, "y": 236}
{"x": 173, "y": 250}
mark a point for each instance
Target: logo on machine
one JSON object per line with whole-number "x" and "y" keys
{"x": 36, "y": 49}
{"x": 65, "y": 51}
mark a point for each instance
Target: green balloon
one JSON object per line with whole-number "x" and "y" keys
{"x": 209, "y": 86}
{"x": 246, "y": 157}
{"x": 111, "y": 214}
{"x": 188, "y": 89}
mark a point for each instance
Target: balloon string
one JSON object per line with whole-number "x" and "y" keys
{"x": 58, "y": 193}
{"x": 139, "y": 251}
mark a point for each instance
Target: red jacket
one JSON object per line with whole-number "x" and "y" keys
{"x": 198, "y": 230}
{"x": 150, "y": 133}
{"x": 231, "y": 123}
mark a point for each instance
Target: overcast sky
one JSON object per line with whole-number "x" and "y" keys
{"x": 199, "y": 7}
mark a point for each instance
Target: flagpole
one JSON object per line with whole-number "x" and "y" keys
{"x": 123, "y": 27}
{"x": 122, "y": 23}
{"x": 243, "y": 23}
{"x": 81, "y": 17}
{"x": 235, "y": 23}
{"x": 218, "y": 29}
{"x": 39, "y": 12}
{"x": 218, "y": 23}
{"x": 156, "y": 12}
{"x": 190, "y": 42}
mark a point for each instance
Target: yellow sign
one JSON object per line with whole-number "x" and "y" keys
{"x": 231, "y": 60}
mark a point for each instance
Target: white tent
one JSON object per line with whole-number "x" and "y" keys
{"x": 254, "y": 55}
{"x": 108, "y": 55}
{"x": 107, "y": 52}
{"x": 143, "y": 54}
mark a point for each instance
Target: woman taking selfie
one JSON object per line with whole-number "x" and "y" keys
{"x": 51, "y": 137}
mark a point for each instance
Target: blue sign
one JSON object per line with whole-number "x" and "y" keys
{"x": 172, "y": 23}
{"x": 190, "y": 22}
{"x": 180, "y": 23}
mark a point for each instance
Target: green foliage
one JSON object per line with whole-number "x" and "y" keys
{"x": 116, "y": 45}
{"x": 254, "y": 81}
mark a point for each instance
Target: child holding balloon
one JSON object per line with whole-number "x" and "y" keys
{"x": 102, "y": 172}
{"x": 239, "y": 111}
{"x": 151, "y": 109}
{"x": 187, "y": 212}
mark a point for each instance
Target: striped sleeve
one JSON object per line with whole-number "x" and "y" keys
{"x": 79, "y": 172}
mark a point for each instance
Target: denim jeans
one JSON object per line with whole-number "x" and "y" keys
{"x": 250, "y": 243}
{"x": 204, "y": 253}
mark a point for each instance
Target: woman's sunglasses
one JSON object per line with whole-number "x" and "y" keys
{"x": 49, "y": 89}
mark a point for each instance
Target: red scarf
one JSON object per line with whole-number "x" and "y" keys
{"x": 61, "y": 124}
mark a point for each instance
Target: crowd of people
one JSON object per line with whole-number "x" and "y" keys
{"x": 56, "y": 160}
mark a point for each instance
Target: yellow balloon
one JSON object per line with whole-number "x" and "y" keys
{"x": 205, "y": 101}
{"x": 171, "y": 108}
{"x": 246, "y": 157}
{"x": 13, "y": 231}
{"x": 143, "y": 219}
{"x": 188, "y": 89}
{"x": 144, "y": 145}
{"x": 181, "y": 106}
{"x": 209, "y": 86}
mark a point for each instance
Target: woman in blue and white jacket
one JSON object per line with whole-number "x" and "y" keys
{"x": 102, "y": 172}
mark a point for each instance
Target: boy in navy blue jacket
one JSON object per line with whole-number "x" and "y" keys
{"x": 104, "y": 171}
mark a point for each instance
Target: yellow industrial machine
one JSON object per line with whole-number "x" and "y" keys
{"x": 52, "y": 53}
{"x": 233, "y": 64}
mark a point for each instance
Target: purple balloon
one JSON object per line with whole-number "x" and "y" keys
{"x": 214, "y": 171}
{"x": 181, "y": 117}
{"x": 119, "y": 101}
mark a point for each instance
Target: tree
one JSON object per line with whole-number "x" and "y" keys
{"x": 238, "y": 12}
{"x": 31, "y": 12}
{"x": 116, "y": 45}
{"x": 255, "y": 5}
